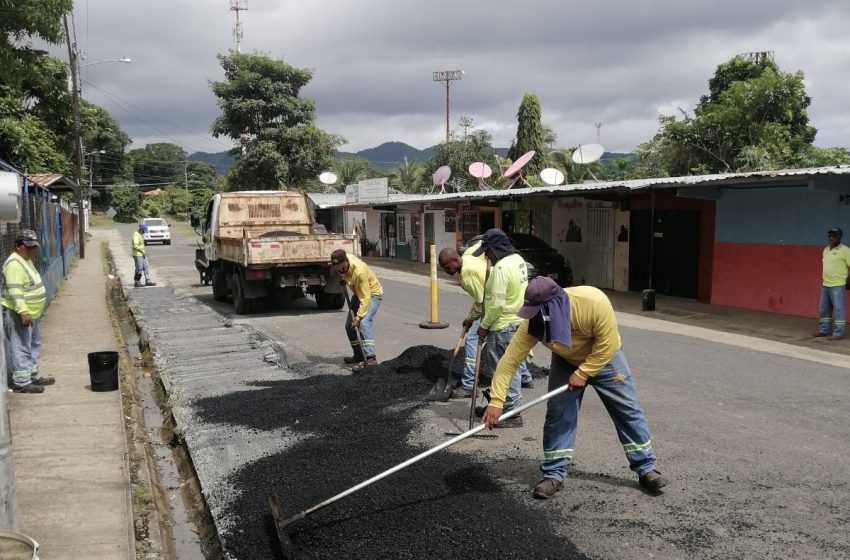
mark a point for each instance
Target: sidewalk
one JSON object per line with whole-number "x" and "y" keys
{"x": 781, "y": 328}
{"x": 69, "y": 443}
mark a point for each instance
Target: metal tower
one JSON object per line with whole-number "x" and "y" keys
{"x": 238, "y": 6}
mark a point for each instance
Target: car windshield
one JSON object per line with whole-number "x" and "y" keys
{"x": 155, "y": 222}
{"x": 525, "y": 242}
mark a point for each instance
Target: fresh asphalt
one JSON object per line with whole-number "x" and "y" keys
{"x": 753, "y": 442}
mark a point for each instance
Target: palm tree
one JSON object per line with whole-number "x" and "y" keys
{"x": 350, "y": 170}
{"x": 573, "y": 172}
{"x": 409, "y": 173}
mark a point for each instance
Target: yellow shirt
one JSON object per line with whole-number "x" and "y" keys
{"x": 473, "y": 274}
{"x": 835, "y": 265}
{"x": 23, "y": 290}
{"x": 138, "y": 244}
{"x": 504, "y": 293}
{"x": 594, "y": 333}
{"x": 363, "y": 283}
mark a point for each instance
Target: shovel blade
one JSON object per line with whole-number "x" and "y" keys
{"x": 436, "y": 392}
{"x": 280, "y": 528}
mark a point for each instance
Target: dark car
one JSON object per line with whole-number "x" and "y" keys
{"x": 544, "y": 260}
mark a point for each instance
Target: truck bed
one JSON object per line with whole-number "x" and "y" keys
{"x": 284, "y": 250}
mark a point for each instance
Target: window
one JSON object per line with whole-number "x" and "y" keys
{"x": 401, "y": 229}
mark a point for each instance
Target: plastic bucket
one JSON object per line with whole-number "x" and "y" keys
{"x": 649, "y": 300}
{"x": 103, "y": 371}
{"x": 15, "y": 546}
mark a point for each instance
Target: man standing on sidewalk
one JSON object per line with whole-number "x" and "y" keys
{"x": 579, "y": 327}
{"x": 23, "y": 303}
{"x": 368, "y": 294}
{"x": 140, "y": 259}
{"x": 833, "y": 307}
{"x": 503, "y": 296}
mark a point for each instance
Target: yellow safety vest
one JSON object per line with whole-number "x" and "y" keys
{"x": 23, "y": 290}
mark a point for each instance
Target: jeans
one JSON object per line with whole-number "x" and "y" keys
{"x": 832, "y": 302}
{"x": 470, "y": 349}
{"x": 142, "y": 268}
{"x": 497, "y": 343}
{"x": 367, "y": 327}
{"x": 616, "y": 390}
{"x": 23, "y": 346}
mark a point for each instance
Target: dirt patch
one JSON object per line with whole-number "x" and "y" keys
{"x": 348, "y": 429}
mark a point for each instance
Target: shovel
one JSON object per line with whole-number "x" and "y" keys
{"x": 356, "y": 329}
{"x": 282, "y": 523}
{"x": 472, "y": 404}
{"x": 443, "y": 387}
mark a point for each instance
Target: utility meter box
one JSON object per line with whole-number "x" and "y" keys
{"x": 10, "y": 197}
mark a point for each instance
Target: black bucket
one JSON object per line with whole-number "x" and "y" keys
{"x": 103, "y": 371}
{"x": 649, "y": 300}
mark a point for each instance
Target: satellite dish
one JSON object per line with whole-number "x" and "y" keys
{"x": 516, "y": 168}
{"x": 480, "y": 170}
{"x": 441, "y": 175}
{"x": 328, "y": 178}
{"x": 588, "y": 153}
{"x": 552, "y": 176}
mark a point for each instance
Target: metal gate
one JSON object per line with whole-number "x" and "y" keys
{"x": 600, "y": 248}
{"x": 429, "y": 234}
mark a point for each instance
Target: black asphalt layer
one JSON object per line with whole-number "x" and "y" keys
{"x": 348, "y": 429}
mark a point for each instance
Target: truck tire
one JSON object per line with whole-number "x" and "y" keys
{"x": 219, "y": 284}
{"x": 241, "y": 304}
{"x": 324, "y": 301}
{"x": 339, "y": 301}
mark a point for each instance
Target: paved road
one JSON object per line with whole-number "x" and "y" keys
{"x": 753, "y": 441}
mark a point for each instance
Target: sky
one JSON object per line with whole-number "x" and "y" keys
{"x": 615, "y": 63}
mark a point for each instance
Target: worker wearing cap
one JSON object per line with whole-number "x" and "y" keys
{"x": 140, "y": 259}
{"x": 23, "y": 302}
{"x": 833, "y": 307}
{"x": 503, "y": 296}
{"x": 368, "y": 294}
{"x": 579, "y": 327}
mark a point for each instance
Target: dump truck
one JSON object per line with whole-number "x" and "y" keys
{"x": 265, "y": 248}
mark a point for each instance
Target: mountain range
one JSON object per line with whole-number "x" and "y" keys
{"x": 388, "y": 155}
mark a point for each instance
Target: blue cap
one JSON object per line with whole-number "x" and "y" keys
{"x": 837, "y": 231}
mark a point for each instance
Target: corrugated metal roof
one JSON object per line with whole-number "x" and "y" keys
{"x": 626, "y": 185}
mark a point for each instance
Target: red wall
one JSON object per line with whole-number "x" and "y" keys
{"x": 742, "y": 273}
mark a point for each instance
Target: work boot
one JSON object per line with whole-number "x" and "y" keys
{"x": 31, "y": 388}
{"x": 652, "y": 481}
{"x": 355, "y": 359}
{"x": 44, "y": 380}
{"x": 528, "y": 384}
{"x": 817, "y": 334}
{"x": 835, "y": 337}
{"x": 512, "y": 422}
{"x": 547, "y": 488}
{"x": 149, "y": 283}
{"x": 370, "y": 363}
{"x": 461, "y": 393}
{"x": 137, "y": 284}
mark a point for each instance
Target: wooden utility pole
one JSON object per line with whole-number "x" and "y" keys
{"x": 74, "y": 61}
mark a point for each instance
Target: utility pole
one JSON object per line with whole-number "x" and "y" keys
{"x": 598, "y": 127}
{"x": 238, "y": 6}
{"x": 447, "y": 76}
{"x": 73, "y": 59}
{"x": 465, "y": 123}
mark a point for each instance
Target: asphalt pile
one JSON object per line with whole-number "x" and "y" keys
{"x": 349, "y": 428}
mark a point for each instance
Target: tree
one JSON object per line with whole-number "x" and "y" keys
{"x": 159, "y": 164}
{"x": 106, "y": 143}
{"x": 753, "y": 118}
{"x": 126, "y": 200}
{"x": 260, "y": 100}
{"x": 458, "y": 154}
{"x": 260, "y": 168}
{"x": 529, "y": 133}
{"x": 562, "y": 160}
{"x": 409, "y": 175}
{"x": 350, "y": 170}
{"x": 35, "y": 108}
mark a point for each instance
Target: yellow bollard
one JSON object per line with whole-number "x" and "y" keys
{"x": 434, "y": 323}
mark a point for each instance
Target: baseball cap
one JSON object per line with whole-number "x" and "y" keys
{"x": 27, "y": 237}
{"x": 837, "y": 231}
{"x": 338, "y": 259}
{"x": 539, "y": 290}
{"x": 492, "y": 237}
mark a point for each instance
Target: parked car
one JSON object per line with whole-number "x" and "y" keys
{"x": 157, "y": 231}
{"x": 544, "y": 260}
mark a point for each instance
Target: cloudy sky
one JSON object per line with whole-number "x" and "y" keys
{"x": 612, "y": 62}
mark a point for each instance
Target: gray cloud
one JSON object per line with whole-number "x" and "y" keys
{"x": 607, "y": 61}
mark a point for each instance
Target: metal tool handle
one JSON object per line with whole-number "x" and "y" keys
{"x": 351, "y": 313}
{"x": 478, "y": 352}
{"x": 428, "y": 453}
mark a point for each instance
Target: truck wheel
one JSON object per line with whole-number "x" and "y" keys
{"x": 241, "y": 304}
{"x": 339, "y": 301}
{"x": 219, "y": 284}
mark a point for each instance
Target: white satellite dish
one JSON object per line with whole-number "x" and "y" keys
{"x": 440, "y": 176}
{"x": 328, "y": 178}
{"x": 552, "y": 177}
{"x": 588, "y": 153}
{"x": 481, "y": 171}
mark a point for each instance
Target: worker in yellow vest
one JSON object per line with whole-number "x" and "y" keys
{"x": 140, "y": 259}
{"x": 23, "y": 302}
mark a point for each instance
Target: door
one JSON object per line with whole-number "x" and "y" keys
{"x": 600, "y": 248}
{"x": 415, "y": 231}
{"x": 667, "y": 251}
{"x": 429, "y": 234}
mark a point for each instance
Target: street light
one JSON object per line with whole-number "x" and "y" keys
{"x": 123, "y": 59}
{"x": 447, "y": 76}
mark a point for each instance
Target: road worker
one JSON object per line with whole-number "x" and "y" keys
{"x": 368, "y": 294}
